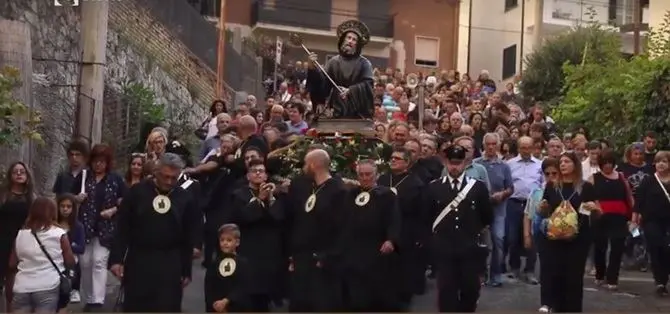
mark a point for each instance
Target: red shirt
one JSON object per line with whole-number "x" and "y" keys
{"x": 400, "y": 116}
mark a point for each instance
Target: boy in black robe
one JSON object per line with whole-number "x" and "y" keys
{"x": 227, "y": 278}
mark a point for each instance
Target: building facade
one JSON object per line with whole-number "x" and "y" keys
{"x": 497, "y": 35}
{"x": 413, "y": 36}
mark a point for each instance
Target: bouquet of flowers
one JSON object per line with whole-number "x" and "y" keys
{"x": 563, "y": 224}
{"x": 344, "y": 151}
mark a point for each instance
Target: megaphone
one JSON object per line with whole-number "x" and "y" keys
{"x": 412, "y": 80}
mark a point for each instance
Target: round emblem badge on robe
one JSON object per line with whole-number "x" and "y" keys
{"x": 394, "y": 190}
{"x": 227, "y": 267}
{"x": 362, "y": 199}
{"x": 238, "y": 153}
{"x": 311, "y": 201}
{"x": 162, "y": 204}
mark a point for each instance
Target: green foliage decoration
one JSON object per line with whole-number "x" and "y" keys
{"x": 345, "y": 152}
{"x": 543, "y": 76}
{"x": 18, "y": 122}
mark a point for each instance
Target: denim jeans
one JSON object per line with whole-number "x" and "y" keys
{"x": 514, "y": 237}
{"x": 498, "y": 242}
{"x": 36, "y": 302}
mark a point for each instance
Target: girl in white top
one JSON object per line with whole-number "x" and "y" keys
{"x": 34, "y": 279}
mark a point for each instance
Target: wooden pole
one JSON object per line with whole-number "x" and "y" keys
{"x": 94, "y": 22}
{"x": 420, "y": 102}
{"x": 538, "y": 22}
{"x": 16, "y": 52}
{"x": 636, "y": 27}
{"x": 221, "y": 60}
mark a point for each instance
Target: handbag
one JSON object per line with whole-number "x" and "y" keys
{"x": 201, "y": 132}
{"x": 65, "y": 285}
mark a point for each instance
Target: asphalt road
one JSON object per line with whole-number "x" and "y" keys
{"x": 635, "y": 295}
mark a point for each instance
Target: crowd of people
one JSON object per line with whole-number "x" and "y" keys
{"x": 476, "y": 194}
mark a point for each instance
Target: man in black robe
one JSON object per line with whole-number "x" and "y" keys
{"x": 369, "y": 238}
{"x": 316, "y": 222}
{"x": 411, "y": 248}
{"x": 153, "y": 246}
{"x": 458, "y": 208}
{"x": 352, "y": 98}
{"x": 260, "y": 216}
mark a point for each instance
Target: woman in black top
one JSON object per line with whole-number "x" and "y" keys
{"x": 611, "y": 228}
{"x": 15, "y": 198}
{"x": 566, "y": 258}
{"x": 652, "y": 206}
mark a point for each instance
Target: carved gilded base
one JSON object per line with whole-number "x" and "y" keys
{"x": 345, "y": 127}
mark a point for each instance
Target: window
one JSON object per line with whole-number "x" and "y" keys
{"x": 426, "y": 51}
{"x": 511, "y": 4}
{"x": 509, "y": 62}
{"x": 269, "y": 4}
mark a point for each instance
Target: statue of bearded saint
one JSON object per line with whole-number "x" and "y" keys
{"x": 352, "y": 98}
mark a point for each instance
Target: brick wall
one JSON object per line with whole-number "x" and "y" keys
{"x": 136, "y": 25}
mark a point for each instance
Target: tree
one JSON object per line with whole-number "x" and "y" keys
{"x": 543, "y": 76}
{"x": 17, "y": 121}
{"x": 620, "y": 99}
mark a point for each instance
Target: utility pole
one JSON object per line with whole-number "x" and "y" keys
{"x": 538, "y": 20}
{"x": 221, "y": 60}
{"x": 637, "y": 15}
{"x": 94, "y": 20}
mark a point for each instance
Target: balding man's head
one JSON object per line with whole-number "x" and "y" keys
{"x": 316, "y": 161}
{"x": 247, "y": 124}
{"x": 525, "y": 146}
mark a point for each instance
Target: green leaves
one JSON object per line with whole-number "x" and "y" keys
{"x": 17, "y": 121}
{"x": 136, "y": 94}
{"x": 543, "y": 77}
{"x": 620, "y": 99}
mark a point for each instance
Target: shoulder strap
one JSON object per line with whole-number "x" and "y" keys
{"x": 662, "y": 186}
{"x": 44, "y": 250}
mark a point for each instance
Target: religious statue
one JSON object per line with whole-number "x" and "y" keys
{"x": 346, "y": 87}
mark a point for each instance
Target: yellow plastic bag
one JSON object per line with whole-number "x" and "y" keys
{"x": 563, "y": 224}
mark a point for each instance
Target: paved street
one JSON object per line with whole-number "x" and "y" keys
{"x": 635, "y": 295}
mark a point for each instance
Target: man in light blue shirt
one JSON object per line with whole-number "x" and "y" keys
{"x": 501, "y": 188}
{"x": 526, "y": 176}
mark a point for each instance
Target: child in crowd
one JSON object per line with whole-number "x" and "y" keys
{"x": 67, "y": 219}
{"x": 226, "y": 278}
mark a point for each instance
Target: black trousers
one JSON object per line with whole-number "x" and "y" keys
{"x": 610, "y": 230}
{"x": 657, "y": 234}
{"x": 538, "y": 243}
{"x": 458, "y": 282}
{"x": 562, "y": 273}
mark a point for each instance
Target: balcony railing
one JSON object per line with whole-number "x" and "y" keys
{"x": 315, "y": 18}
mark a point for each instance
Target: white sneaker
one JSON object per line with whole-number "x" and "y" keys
{"x": 75, "y": 297}
{"x": 544, "y": 309}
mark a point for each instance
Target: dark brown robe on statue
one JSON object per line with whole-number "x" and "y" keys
{"x": 155, "y": 249}
{"x": 352, "y": 72}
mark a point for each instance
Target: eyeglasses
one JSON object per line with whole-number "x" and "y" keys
{"x": 551, "y": 173}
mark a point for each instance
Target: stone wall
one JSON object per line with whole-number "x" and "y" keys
{"x": 56, "y": 53}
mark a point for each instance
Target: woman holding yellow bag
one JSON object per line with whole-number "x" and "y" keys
{"x": 566, "y": 207}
